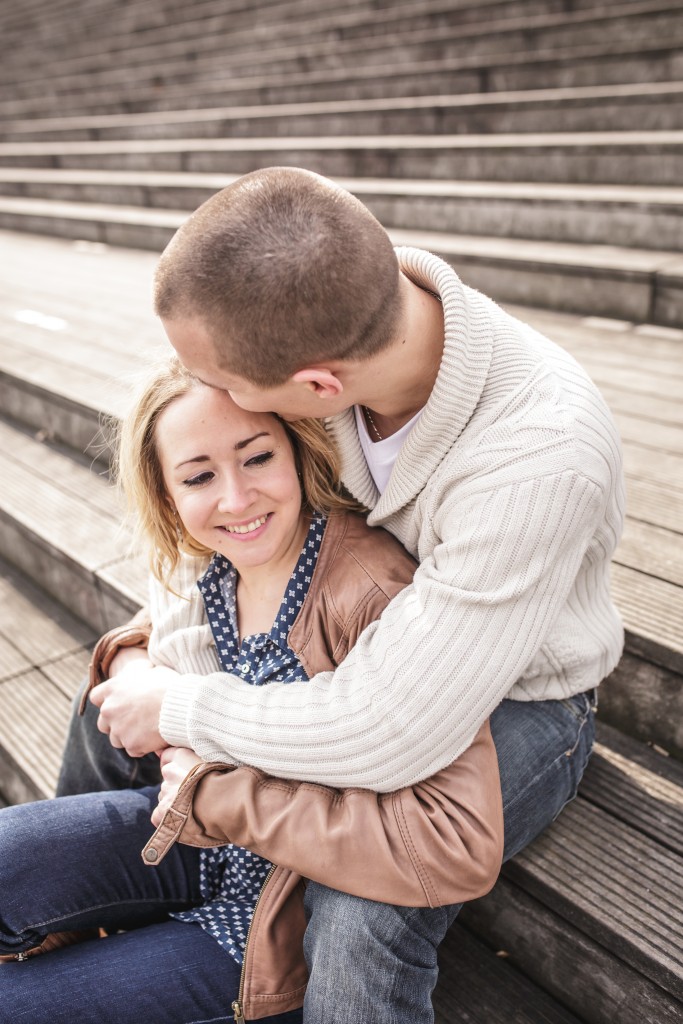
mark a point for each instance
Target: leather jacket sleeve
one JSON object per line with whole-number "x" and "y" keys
{"x": 432, "y": 844}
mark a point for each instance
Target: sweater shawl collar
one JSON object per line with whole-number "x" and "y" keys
{"x": 468, "y": 346}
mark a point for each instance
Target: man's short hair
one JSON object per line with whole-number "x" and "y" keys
{"x": 285, "y": 269}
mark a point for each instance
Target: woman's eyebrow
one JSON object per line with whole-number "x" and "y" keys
{"x": 238, "y": 447}
{"x": 197, "y": 458}
{"x": 248, "y": 440}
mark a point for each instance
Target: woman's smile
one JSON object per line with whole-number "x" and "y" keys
{"x": 248, "y": 530}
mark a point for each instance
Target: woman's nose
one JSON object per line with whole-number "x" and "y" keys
{"x": 235, "y": 497}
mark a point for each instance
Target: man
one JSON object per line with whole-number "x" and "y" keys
{"x": 490, "y": 455}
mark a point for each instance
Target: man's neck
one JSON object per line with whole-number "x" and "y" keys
{"x": 402, "y": 377}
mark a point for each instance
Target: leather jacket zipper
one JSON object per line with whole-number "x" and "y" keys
{"x": 237, "y": 1004}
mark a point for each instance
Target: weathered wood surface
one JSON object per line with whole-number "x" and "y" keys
{"x": 568, "y": 962}
{"x": 477, "y": 987}
{"x": 615, "y": 884}
{"x": 44, "y": 654}
{"x": 645, "y": 701}
{"x": 593, "y": 906}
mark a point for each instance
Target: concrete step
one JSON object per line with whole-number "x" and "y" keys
{"x": 603, "y": 280}
{"x": 652, "y": 106}
{"x": 200, "y": 59}
{"x": 592, "y": 64}
{"x": 623, "y": 158}
{"x": 634, "y": 216}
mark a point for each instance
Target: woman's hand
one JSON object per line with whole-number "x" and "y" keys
{"x": 176, "y": 763}
{"x": 126, "y": 657}
{"x": 130, "y": 705}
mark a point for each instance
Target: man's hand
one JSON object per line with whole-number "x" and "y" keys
{"x": 176, "y": 762}
{"x": 130, "y": 705}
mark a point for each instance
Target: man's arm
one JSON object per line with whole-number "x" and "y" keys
{"x": 412, "y": 693}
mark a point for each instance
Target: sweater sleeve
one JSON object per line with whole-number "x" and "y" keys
{"x": 420, "y": 681}
{"x": 181, "y": 637}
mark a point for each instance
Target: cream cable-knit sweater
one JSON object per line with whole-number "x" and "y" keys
{"x": 509, "y": 492}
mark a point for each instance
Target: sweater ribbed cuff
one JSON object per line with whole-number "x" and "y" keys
{"x": 174, "y": 717}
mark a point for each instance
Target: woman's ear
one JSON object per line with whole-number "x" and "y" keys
{"x": 321, "y": 381}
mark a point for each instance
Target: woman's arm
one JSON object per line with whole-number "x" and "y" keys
{"x": 432, "y": 844}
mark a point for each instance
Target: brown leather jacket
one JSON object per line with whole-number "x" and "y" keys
{"x": 432, "y": 844}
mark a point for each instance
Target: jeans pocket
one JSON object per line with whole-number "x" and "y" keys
{"x": 581, "y": 708}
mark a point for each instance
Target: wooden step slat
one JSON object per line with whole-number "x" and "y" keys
{"x": 415, "y": 114}
{"x": 637, "y": 785}
{"x": 574, "y": 66}
{"x": 210, "y": 50}
{"x": 51, "y": 653}
{"x": 618, "y": 886}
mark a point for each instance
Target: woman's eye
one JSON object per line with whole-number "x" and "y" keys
{"x": 201, "y": 478}
{"x": 260, "y": 459}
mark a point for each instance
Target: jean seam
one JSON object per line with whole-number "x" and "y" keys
{"x": 106, "y": 906}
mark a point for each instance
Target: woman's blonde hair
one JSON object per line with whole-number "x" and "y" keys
{"x": 139, "y": 473}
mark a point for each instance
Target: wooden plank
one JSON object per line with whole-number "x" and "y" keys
{"x": 654, "y": 503}
{"x": 12, "y": 661}
{"x": 90, "y": 488}
{"x": 637, "y": 786}
{"x": 628, "y": 369}
{"x": 40, "y": 628}
{"x": 129, "y": 578}
{"x": 644, "y": 700}
{"x": 664, "y": 410}
{"x": 663, "y": 437}
{"x": 61, "y": 503}
{"x": 651, "y": 550}
{"x": 68, "y": 672}
{"x": 658, "y": 467}
{"x": 652, "y": 611}
{"x": 568, "y": 962}
{"x": 640, "y": 382}
{"x": 615, "y": 884}
{"x": 34, "y": 716}
{"x": 476, "y": 986}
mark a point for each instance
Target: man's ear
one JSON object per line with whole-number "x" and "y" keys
{"x": 321, "y": 381}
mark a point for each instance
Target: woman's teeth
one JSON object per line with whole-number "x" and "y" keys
{"x": 248, "y": 527}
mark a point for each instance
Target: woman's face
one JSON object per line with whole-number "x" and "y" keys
{"x": 231, "y": 476}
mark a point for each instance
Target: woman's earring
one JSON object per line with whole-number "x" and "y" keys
{"x": 178, "y": 524}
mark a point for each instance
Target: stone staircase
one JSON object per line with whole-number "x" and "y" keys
{"x": 536, "y": 145}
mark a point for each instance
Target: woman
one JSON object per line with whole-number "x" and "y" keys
{"x": 249, "y": 508}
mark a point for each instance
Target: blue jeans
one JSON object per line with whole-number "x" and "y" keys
{"x": 75, "y": 863}
{"x": 374, "y": 962}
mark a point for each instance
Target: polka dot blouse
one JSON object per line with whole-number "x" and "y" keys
{"x": 230, "y": 877}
